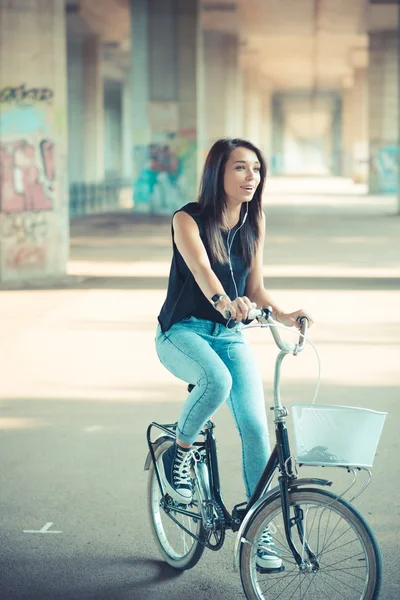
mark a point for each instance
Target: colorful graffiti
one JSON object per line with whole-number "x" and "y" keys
{"x": 27, "y": 175}
{"x": 23, "y": 122}
{"x": 165, "y": 174}
{"x": 385, "y": 165}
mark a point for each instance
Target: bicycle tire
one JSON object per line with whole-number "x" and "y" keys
{"x": 177, "y": 547}
{"x": 360, "y": 568}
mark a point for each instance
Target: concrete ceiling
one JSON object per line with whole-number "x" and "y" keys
{"x": 109, "y": 19}
{"x": 296, "y": 44}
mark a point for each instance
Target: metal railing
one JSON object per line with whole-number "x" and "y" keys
{"x": 91, "y": 198}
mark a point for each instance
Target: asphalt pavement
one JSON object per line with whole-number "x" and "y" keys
{"x": 80, "y": 382}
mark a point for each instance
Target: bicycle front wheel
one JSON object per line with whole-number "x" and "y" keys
{"x": 178, "y": 548}
{"x": 346, "y": 562}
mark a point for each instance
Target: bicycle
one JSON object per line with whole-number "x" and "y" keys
{"x": 328, "y": 550}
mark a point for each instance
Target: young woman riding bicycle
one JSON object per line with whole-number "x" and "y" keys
{"x": 217, "y": 271}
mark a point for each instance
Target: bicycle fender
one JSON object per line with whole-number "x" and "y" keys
{"x": 266, "y": 499}
{"x": 157, "y": 442}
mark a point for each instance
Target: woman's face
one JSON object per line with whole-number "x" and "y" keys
{"x": 242, "y": 176}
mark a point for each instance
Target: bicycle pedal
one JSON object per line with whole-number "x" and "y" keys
{"x": 263, "y": 570}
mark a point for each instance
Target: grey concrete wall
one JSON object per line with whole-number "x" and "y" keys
{"x": 33, "y": 141}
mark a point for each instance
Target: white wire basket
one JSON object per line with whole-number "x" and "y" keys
{"x": 331, "y": 435}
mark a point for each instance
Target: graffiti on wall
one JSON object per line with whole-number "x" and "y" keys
{"x": 165, "y": 173}
{"x": 27, "y": 233}
{"x": 27, "y": 175}
{"x": 22, "y": 96}
{"x": 385, "y": 169}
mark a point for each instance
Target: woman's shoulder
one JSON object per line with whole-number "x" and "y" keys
{"x": 191, "y": 208}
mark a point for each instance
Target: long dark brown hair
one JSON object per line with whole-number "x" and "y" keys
{"x": 212, "y": 202}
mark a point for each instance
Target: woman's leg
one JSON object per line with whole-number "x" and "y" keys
{"x": 247, "y": 405}
{"x": 186, "y": 351}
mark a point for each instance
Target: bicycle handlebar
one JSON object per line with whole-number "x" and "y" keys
{"x": 264, "y": 316}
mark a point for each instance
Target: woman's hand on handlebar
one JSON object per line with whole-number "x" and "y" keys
{"x": 293, "y": 319}
{"x": 238, "y": 308}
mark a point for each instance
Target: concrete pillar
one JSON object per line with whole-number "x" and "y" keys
{"x": 266, "y": 122}
{"x": 112, "y": 129}
{"x": 348, "y": 134}
{"x": 334, "y": 140}
{"x": 33, "y": 141}
{"x": 257, "y": 109}
{"x": 127, "y": 159}
{"x": 252, "y": 106}
{"x": 384, "y": 112}
{"x": 360, "y": 126}
{"x": 278, "y": 133}
{"x": 222, "y": 102}
{"x": 164, "y": 103}
{"x": 94, "y": 110}
{"x": 186, "y": 149}
{"x": 76, "y": 110}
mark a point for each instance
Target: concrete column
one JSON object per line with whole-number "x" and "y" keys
{"x": 252, "y": 106}
{"x": 278, "y": 131}
{"x": 165, "y": 51}
{"x": 76, "y": 110}
{"x": 334, "y": 140}
{"x": 384, "y": 112}
{"x": 186, "y": 149}
{"x": 222, "y": 105}
{"x": 33, "y": 141}
{"x": 139, "y": 97}
{"x": 94, "y": 110}
{"x": 127, "y": 161}
{"x": 347, "y": 131}
{"x": 112, "y": 129}
{"x": 360, "y": 126}
{"x": 266, "y": 122}
{"x": 257, "y": 109}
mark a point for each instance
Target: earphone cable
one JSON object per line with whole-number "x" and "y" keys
{"x": 230, "y": 248}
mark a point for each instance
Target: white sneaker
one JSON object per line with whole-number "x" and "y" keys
{"x": 268, "y": 557}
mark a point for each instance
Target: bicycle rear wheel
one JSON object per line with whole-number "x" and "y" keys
{"x": 348, "y": 563}
{"x": 178, "y": 548}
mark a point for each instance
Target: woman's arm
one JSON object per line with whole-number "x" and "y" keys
{"x": 257, "y": 293}
{"x": 192, "y": 249}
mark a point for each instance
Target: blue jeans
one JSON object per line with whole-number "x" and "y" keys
{"x": 220, "y": 363}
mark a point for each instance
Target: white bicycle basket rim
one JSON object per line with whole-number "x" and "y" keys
{"x": 333, "y": 435}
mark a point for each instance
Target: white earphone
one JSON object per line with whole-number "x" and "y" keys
{"x": 230, "y": 248}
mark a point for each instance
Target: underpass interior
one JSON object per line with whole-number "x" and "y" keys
{"x": 143, "y": 89}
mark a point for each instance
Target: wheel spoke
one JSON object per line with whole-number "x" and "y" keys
{"x": 341, "y": 546}
{"x": 341, "y": 568}
{"x": 334, "y": 588}
{"x": 333, "y": 531}
{"x": 337, "y": 562}
{"x": 175, "y": 532}
{"x": 336, "y": 579}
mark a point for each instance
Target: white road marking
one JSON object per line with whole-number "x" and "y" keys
{"x": 45, "y": 529}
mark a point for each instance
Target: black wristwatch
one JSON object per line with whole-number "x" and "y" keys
{"x": 216, "y": 298}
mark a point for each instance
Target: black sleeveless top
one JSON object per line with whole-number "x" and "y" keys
{"x": 184, "y": 297}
